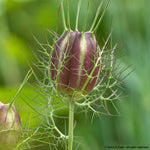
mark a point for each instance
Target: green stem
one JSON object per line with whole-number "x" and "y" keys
{"x": 68, "y": 14}
{"x": 97, "y": 25}
{"x": 86, "y": 17}
{"x": 97, "y": 13}
{"x": 63, "y": 16}
{"x": 21, "y": 86}
{"x": 77, "y": 18}
{"x": 71, "y": 121}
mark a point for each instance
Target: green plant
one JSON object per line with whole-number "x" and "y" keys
{"x": 10, "y": 122}
{"x": 10, "y": 126}
{"x": 77, "y": 73}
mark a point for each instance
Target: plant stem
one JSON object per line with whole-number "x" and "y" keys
{"x": 71, "y": 120}
{"x": 68, "y": 14}
{"x": 97, "y": 13}
{"x": 97, "y": 25}
{"x": 21, "y": 86}
{"x": 86, "y": 17}
{"x": 63, "y": 16}
{"x": 77, "y": 18}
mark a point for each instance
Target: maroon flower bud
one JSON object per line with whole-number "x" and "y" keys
{"x": 75, "y": 63}
{"x": 10, "y": 127}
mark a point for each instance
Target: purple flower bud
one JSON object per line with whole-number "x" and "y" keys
{"x": 75, "y": 63}
{"x": 10, "y": 127}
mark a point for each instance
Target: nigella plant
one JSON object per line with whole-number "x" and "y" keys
{"x": 77, "y": 73}
{"x": 10, "y": 122}
{"x": 10, "y": 127}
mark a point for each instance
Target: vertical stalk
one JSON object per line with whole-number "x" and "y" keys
{"x": 68, "y": 14}
{"x": 97, "y": 13}
{"x": 77, "y": 18}
{"x": 86, "y": 17}
{"x": 63, "y": 15}
{"x": 97, "y": 25}
{"x": 71, "y": 121}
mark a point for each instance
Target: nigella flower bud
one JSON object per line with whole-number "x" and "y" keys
{"x": 10, "y": 127}
{"x": 75, "y": 63}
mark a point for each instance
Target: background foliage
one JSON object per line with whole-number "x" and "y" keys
{"x": 21, "y": 19}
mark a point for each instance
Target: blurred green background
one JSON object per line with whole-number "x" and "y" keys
{"x": 21, "y": 19}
